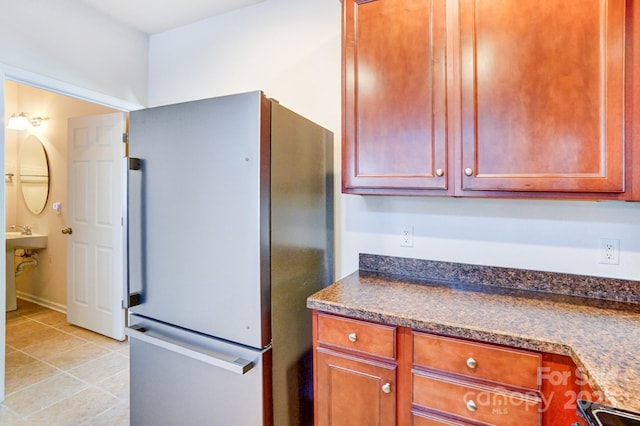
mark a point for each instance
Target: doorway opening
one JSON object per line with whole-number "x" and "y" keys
{"x": 46, "y": 283}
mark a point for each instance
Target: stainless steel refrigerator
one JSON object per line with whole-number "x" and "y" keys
{"x": 229, "y": 229}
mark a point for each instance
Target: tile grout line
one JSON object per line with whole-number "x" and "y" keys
{"x": 71, "y": 397}
{"x": 57, "y": 401}
{"x": 110, "y": 349}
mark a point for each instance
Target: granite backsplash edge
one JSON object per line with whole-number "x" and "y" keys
{"x": 522, "y": 279}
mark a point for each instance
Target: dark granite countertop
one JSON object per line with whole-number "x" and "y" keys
{"x": 601, "y": 335}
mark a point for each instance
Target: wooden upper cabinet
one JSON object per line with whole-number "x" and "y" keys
{"x": 542, "y": 95}
{"x": 500, "y": 98}
{"x": 394, "y": 96}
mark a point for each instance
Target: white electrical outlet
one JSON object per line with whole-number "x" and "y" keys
{"x": 609, "y": 251}
{"x": 406, "y": 236}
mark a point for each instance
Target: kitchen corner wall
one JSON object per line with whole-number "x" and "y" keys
{"x": 45, "y": 283}
{"x": 291, "y": 50}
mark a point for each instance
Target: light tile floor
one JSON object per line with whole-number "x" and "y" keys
{"x": 60, "y": 374}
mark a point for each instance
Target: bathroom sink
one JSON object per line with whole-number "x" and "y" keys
{"x": 16, "y": 240}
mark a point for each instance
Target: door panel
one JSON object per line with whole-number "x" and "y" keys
{"x": 204, "y": 217}
{"x": 183, "y": 378}
{"x": 94, "y": 249}
{"x": 542, "y": 95}
{"x": 350, "y": 390}
{"x": 394, "y": 95}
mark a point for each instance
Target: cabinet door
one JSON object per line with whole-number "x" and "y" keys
{"x": 354, "y": 391}
{"x": 394, "y": 96}
{"x": 542, "y": 95}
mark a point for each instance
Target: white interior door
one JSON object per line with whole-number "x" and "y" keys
{"x": 95, "y": 246}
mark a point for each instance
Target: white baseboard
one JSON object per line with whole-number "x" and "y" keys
{"x": 42, "y": 302}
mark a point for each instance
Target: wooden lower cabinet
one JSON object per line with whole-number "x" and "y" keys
{"x": 375, "y": 374}
{"x": 562, "y": 384}
{"x": 354, "y": 391}
{"x": 475, "y": 382}
{"x": 355, "y": 372}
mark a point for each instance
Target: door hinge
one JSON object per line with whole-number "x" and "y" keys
{"x": 125, "y": 138}
{"x": 134, "y": 163}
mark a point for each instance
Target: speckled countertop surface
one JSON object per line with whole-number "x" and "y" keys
{"x": 602, "y": 336}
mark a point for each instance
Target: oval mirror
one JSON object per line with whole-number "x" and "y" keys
{"x": 34, "y": 174}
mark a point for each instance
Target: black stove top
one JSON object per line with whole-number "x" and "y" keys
{"x": 604, "y": 415}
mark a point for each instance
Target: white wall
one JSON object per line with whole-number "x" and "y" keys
{"x": 291, "y": 50}
{"x": 64, "y": 45}
{"x": 72, "y": 43}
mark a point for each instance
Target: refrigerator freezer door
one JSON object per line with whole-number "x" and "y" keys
{"x": 202, "y": 241}
{"x": 180, "y": 377}
{"x": 229, "y": 362}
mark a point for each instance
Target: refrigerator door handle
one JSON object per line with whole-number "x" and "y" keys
{"x": 227, "y": 362}
{"x": 131, "y": 298}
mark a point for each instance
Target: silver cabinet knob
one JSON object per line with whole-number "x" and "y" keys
{"x": 471, "y": 406}
{"x": 353, "y": 337}
{"x": 67, "y": 231}
{"x": 386, "y": 388}
{"x": 439, "y": 172}
{"x": 472, "y": 363}
{"x": 468, "y": 171}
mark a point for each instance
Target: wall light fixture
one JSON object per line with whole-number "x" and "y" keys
{"x": 22, "y": 121}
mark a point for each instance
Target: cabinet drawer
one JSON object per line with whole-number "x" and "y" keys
{"x": 428, "y": 419}
{"x": 492, "y": 405}
{"x": 503, "y": 365}
{"x": 355, "y": 335}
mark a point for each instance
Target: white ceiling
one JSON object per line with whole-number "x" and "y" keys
{"x": 154, "y": 16}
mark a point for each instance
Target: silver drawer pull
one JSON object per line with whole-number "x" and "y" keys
{"x": 471, "y": 406}
{"x": 353, "y": 337}
{"x": 472, "y": 363}
{"x": 386, "y": 388}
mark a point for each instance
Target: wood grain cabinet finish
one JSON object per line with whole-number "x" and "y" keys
{"x": 358, "y": 336}
{"x": 473, "y": 402}
{"x": 562, "y": 384}
{"x": 474, "y": 381}
{"x": 542, "y": 89}
{"x": 401, "y": 376}
{"x": 426, "y": 419}
{"x": 354, "y": 391}
{"x": 394, "y": 95}
{"x": 355, "y": 372}
{"x": 505, "y": 98}
{"x": 482, "y": 361}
